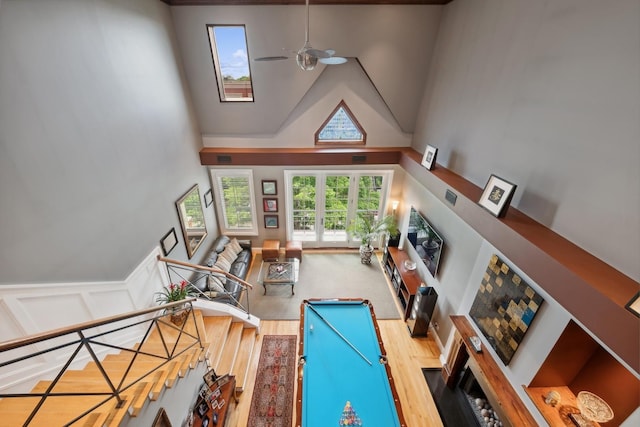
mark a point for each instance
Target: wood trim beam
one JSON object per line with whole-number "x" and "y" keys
{"x": 299, "y": 156}
{"x": 296, "y": 2}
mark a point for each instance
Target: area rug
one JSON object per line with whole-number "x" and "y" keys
{"x": 324, "y": 275}
{"x": 272, "y": 400}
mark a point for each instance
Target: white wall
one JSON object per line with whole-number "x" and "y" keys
{"x": 27, "y": 309}
{"x": 346, "y": 82}
{"x": 97, "y": 138}
{"x": 547, "y": 96}
{"x": 461, "y": 246}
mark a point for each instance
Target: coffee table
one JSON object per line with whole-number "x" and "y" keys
{"x": 284, "y": 272}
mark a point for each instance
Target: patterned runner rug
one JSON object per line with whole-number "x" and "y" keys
{"x": 272, "y": 400}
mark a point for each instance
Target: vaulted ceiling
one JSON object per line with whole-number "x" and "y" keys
{"x": 392, "y": 41}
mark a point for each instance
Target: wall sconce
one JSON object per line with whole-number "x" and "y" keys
{"x": 394, "y": 206}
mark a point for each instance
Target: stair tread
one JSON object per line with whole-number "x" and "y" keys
{"x": 225, "y": 365}
{"x": 216, "y": 330}
{"x": 141, "y": 397}
{"x": 243, "y": 359}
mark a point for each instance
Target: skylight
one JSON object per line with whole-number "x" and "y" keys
{"x": 341, "y": 128}
{"x": 231, "y": 62}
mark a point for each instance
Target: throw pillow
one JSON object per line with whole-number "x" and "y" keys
{"x": 215, "y": 284}
{"x": 235, "y": 245}
{"x": 222, "y": 264}
{"x": 229, "y": 254}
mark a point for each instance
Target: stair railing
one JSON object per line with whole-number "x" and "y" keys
{"x": 84, "y": 337}
{"x": 201, "y": 272}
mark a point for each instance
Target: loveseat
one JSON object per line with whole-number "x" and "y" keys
{"x": 232, "y": 256}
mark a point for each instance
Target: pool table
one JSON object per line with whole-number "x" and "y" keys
{"x": 342, "y": 359}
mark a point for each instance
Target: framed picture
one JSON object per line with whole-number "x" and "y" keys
{"x": 270, "y": 205}
{"x": 208, "y": 199}
{"x": 271, "y": 221}
{"x": 634, "y": 305}
{"x": 210, "y": 378}
{"x": 269, "y": 187}
{"x": 169, "y": 241}
{"x": 162, "y": 419}
{"x": 497, "y": 195}
{"x": 429, "y": 158}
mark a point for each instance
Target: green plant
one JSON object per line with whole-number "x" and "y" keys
{"x": 173, "y": 292}
{"x": 368, "y": 227}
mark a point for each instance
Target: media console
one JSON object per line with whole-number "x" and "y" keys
{"x": 405, "y": 282}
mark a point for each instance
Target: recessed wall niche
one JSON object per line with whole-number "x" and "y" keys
{"x": 578, "y": 363}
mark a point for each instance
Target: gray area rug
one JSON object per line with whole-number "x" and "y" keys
{"x": 323, "y": 275}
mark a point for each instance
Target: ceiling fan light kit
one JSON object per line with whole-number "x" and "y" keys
{"x": 305, "y": 60}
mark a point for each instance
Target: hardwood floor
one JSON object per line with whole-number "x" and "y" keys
{"x": 406, "y": 357}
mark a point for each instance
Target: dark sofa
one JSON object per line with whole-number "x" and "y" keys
{"x": 239, "y": 267}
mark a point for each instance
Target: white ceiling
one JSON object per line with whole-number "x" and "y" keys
{"x": 393, "y": 43}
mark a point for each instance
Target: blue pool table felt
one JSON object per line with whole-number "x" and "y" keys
{"x": 334, "y": 373}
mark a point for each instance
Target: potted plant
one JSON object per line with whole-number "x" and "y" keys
{"x": 174, "y": 292}
{"x": 367, "y": 228}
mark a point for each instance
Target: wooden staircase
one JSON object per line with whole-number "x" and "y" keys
{"x": 227, "y": 347}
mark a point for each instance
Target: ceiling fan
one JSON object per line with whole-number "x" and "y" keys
{"x": 308, "y": 57}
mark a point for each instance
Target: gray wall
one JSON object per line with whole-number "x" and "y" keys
{"x": 547, "y": 96}
{"x": 97, "y": 138}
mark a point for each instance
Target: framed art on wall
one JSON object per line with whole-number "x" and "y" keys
{"x": 497, "y": 195}
{"x": 504, "y": 308}
{"x": 169, "y": 241}
{"x": 269, "y": 187}
{"x": 429, "y": 158}
{"x": 208, "y": 198}
{"x": 634, "y": 305}
{"x": 270, "y": 205}
{"x": 271, "y": 221}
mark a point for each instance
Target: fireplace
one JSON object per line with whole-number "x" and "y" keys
{"x": 478, "y": 374}
{"x": 477, "y": 401}
{"x": 463, "y": 405}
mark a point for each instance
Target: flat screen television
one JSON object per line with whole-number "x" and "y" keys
{"x": 426, "y": 241}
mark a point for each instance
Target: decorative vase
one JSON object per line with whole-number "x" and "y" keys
{"x": 365, "y": 254}
{"x": 178, "y": 317}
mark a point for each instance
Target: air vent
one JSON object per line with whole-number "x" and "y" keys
{"x": 224, "y": 159}
{"x": 358, "y": 159}
{"x": 451, "y": 197}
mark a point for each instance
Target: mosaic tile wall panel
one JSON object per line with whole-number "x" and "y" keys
{"x": 504, "y": 308}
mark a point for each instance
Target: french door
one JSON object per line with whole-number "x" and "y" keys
{"x": 322, "y": 204}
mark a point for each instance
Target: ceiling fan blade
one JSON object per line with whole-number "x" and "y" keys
{"x": 270, "y": 58}
{"x": 333, "y": 60}
{"x": 318, "y": 53}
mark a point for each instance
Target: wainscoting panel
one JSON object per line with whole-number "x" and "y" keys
{"x": 27, "y": 309}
